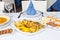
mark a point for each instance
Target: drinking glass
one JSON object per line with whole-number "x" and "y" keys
{"x": 8, "y": 7}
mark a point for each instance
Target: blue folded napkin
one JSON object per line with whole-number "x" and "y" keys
{"x": 56, "y": 5}
{"x": 31, "y": 10}
{"x": 49, "y": 9}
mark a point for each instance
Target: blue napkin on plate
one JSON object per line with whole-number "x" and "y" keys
{"x": 31, "y": 10}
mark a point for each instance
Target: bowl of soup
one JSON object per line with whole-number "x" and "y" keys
{"x": 4, "y": 19}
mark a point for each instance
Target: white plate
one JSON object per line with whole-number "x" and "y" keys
{"x": 54, "y": 28}
{"x": 7, "y": 22}
{"x": 7, "y": 17}
{"x": 26, "y": 33}
{"x": 38, "y": 14}
{"x": 48, "y": 26}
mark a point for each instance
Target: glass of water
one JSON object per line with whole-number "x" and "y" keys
{"x": 8, "y": 6}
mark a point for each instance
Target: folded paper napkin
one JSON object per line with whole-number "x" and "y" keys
{"x": 31, "y": 10}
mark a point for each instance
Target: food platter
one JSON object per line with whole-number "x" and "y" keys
{"x": 51, "y": 22}
{"x": 28, "y": 33}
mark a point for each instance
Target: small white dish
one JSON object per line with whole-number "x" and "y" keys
{"x": 5, "y": 23}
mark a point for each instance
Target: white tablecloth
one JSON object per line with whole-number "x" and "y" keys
{"x": 48, "y": 34}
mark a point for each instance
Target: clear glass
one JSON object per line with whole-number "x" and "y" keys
{"x": 8, "y": 6}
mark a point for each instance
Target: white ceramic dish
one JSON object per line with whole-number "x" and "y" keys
{"x": 55, "y": 15}
{"x": 7, "y": 17}
{"x": 26, "y": 33}
{"x": 38, "y": 14}
{"x": 55, "y": 28}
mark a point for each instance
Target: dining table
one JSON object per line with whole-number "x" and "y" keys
{"x": 47, "y": 34}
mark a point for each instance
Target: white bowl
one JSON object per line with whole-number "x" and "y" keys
{"x": 7, "y": 17}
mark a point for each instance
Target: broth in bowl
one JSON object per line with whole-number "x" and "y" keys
{"x": 2, "y": 20}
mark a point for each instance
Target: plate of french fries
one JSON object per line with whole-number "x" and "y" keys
{"x": 28, "y": 26}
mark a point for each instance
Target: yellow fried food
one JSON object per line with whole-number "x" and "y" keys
{"x": 28, "y": 26}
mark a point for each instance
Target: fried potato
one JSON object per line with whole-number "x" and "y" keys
{"x": 28, "y": 26}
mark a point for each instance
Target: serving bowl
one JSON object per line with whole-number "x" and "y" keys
{"x": 4, "y": 20}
